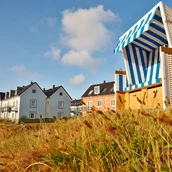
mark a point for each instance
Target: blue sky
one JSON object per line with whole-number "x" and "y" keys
{"x": 64, "y": 42}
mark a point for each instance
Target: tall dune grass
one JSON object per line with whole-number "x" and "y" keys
{"x": 111, "y": 141}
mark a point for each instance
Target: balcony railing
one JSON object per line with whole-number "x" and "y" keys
{"x": 9, "y": 109}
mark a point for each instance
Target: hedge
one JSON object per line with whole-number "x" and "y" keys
{"x": 37, "y": 120}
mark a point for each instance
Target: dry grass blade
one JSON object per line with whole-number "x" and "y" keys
{"x": 145, "y": 114}
{"x": 100, "y": 112}
{"x": 165, "y": 120}
{"x": 37, "y": 163}
{"x": 112, "y": 131}
{"x": 88, "y": 124}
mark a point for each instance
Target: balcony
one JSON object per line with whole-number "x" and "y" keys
{"x": 9, "y": 109}
{"x": 87, "y": 109}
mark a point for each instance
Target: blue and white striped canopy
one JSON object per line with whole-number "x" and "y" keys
{"x": 148, "y": 33}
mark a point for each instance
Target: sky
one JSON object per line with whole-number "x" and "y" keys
{"x": 64, "y": 42}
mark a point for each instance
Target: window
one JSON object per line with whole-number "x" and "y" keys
{"x": 32, "y": 103}
{"x": 112, "y": 89}
{"x": 60, "y": 105}
{"x": 60, "y": 94}
{"x": 89, "y": 104}
{"x": 32, "y": 115}
{"x": 99, "y": 103}
{"x": 12, "y": 115}
{"x": 13, "y": 103}
{"x": 104, "y": 90}
{"x": 60, "y": 115}
{"x": 112, "y": 103}
{"x": 33, "y": 91}
{"x": 97, "y": 90}
{"x": 90, "y": 92}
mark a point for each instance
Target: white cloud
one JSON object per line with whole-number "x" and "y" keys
{"x": 81, "y": 58}
{"x": 22, "y": 71}
{"x": 84, "y": 32}
{"x": 53, "y": 52}
{"x": 18, "y": 68}
{"x": 51, "y": 21}
{"x": 29, "y": 74}
{"x": 34, "y": 29}
{"x": 84, "y": 29}
{"x": 77, "y": 79}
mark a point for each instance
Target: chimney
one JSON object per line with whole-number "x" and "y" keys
{"x": 43, "y": 89}
{"x": 103, "y": 81}
{"x": 53, "y": 86}
{"x": 31, "y": 82}
{"x": 7, "y": 95}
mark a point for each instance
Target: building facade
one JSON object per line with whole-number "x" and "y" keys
{"x": 76, "y": 107}
{"x": 26, "y": 101}
{"x": 32, "y": 102}
{"x": 100, "y": 96}
{"x": 57, "y": 102}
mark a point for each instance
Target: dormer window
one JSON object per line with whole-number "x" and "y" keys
{"x": 97, "y": 90}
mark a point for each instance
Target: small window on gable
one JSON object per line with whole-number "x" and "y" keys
{"x": 97, "y": 90}
{"x": 60, "y": 94}
{"x": 33, "y": 91}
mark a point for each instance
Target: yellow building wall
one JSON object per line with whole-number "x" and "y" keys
{"x": 155, "y": 98}
{"x": 147, "y": 97}
{"x": 120, "y": 100}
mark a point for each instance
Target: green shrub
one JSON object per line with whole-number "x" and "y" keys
{"x": 23, "y": 117}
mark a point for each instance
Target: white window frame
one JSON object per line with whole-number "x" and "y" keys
{"x": 33, "y": 91}
{"x": 97, "y": 90}
{"x": 60, "y": 106}
{"x": 33, "y": 113}
{"x": 99, "y": 101}
{"x": 31, "y": 105}
{"x": 89, "y": 106}
{"x": 111, "y": 104}
{"x": 60, "y": 115}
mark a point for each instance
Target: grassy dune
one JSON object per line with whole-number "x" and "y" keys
{"x": 111, "y": 141}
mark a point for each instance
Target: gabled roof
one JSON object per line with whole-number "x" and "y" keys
{"x": 51, "y": 91}
{"x": 106, "y": 88}
{"x": 21, "y": 90}
{"x": 76, "y": 102}
{"x": 24, "y": 88}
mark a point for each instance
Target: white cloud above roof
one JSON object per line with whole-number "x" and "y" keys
{"x": 53, "y": 52}
{"x": 85, "y": 29}
{"x": 22, "y": 71}
{"x": 18, "y": 68}
{"x": 81, "y": 58}
{"x": 77, "y": 79}
{"x": 84, "y": 32}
